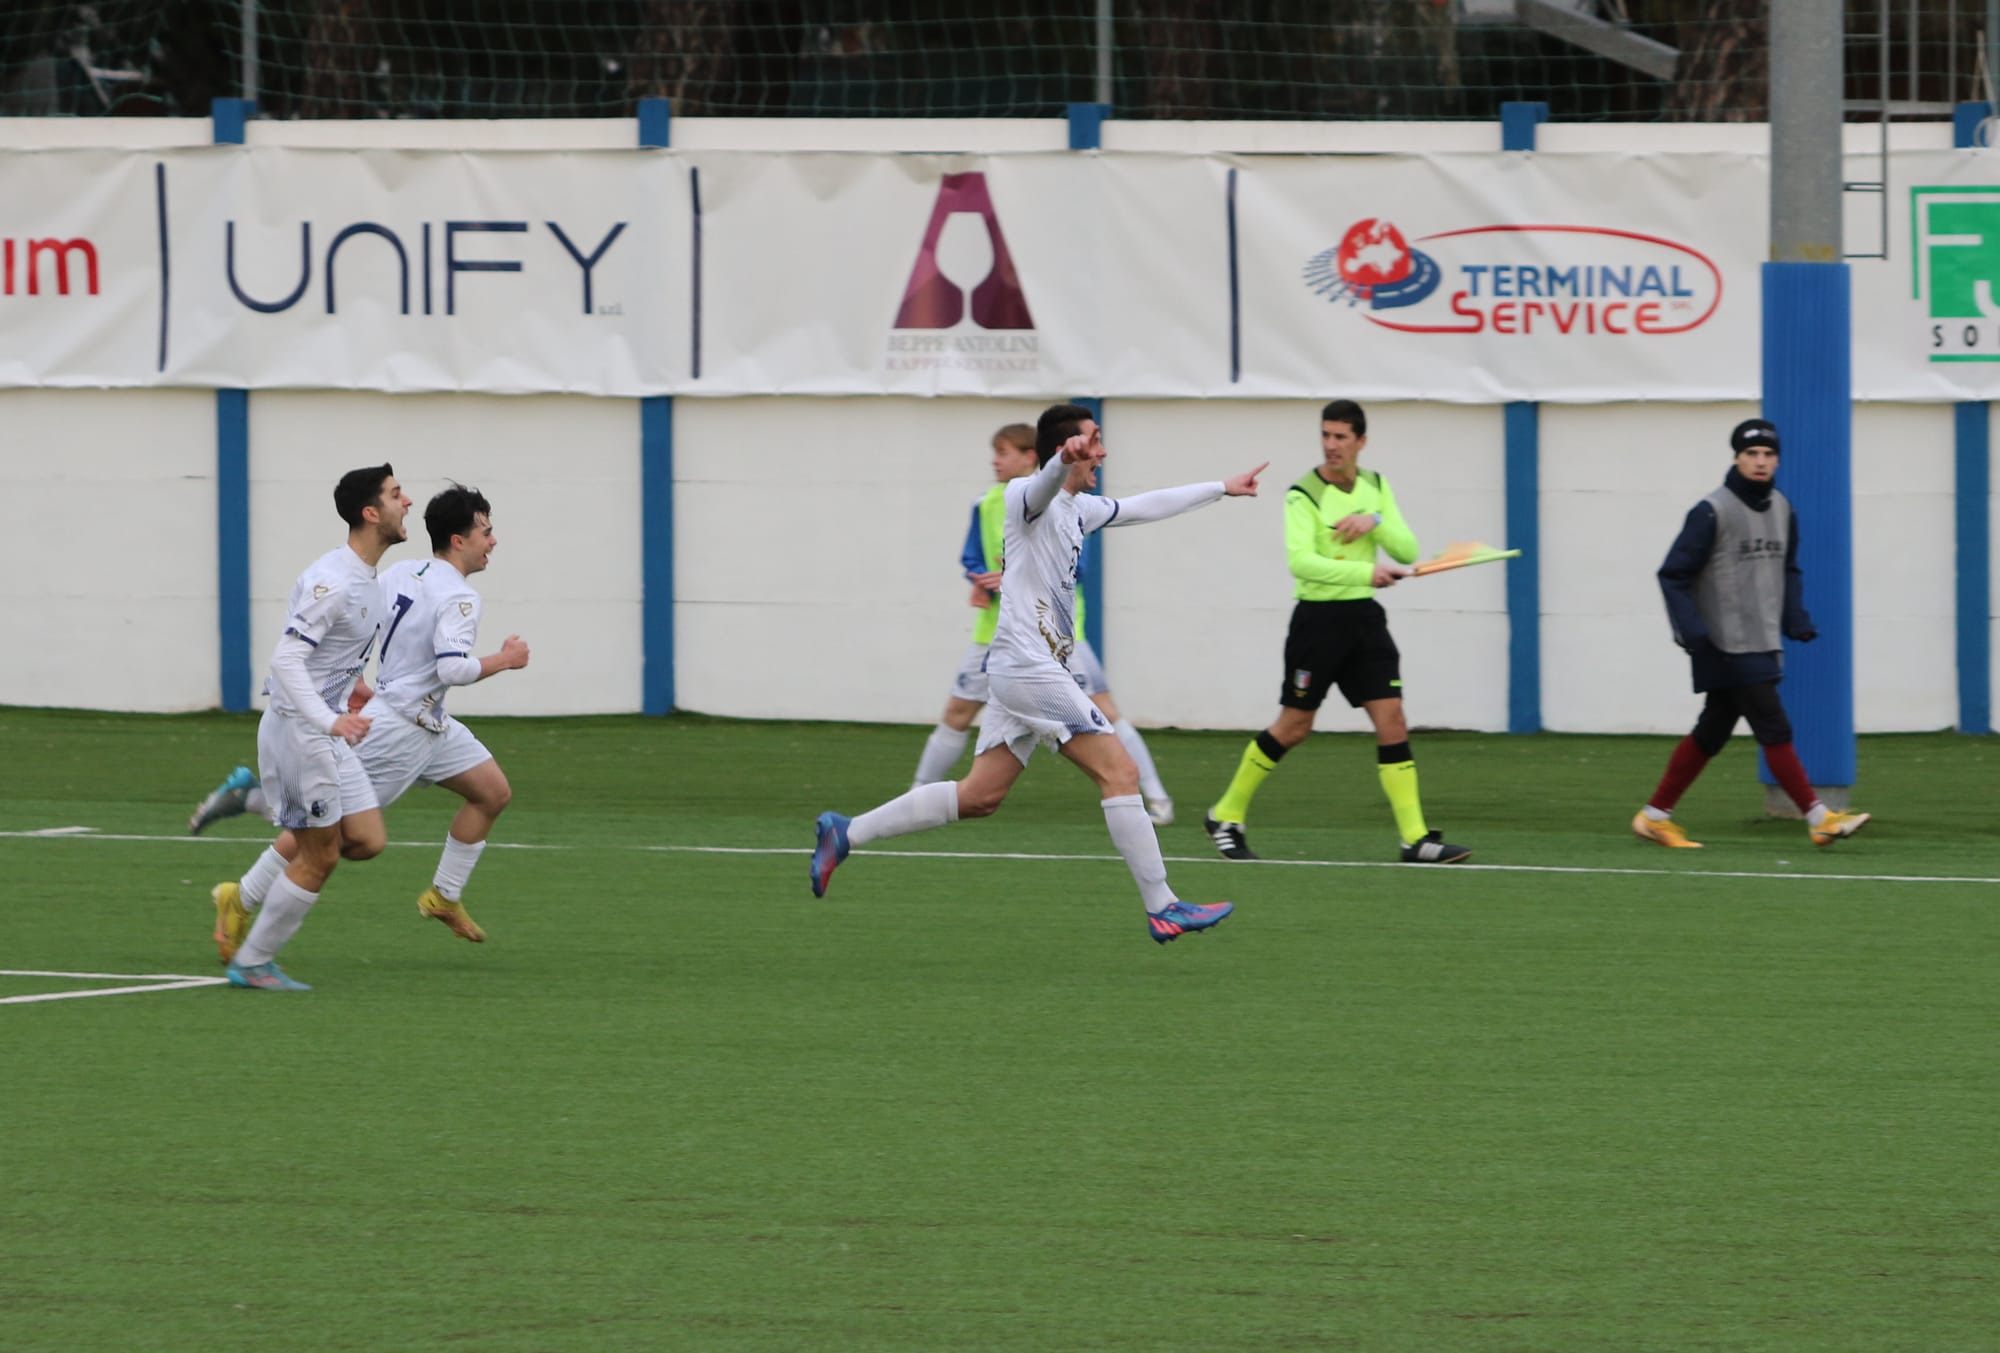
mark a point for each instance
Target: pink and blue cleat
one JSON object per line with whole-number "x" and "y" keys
{"x": 829, "y": 849}
{"x": 1184, "y": 918}
{"x": 264, "y": 977}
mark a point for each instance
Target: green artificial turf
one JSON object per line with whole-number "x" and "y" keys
{"x": 1616, "y": 1099}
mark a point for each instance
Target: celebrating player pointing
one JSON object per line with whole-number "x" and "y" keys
{"x": 1034, "y": 697}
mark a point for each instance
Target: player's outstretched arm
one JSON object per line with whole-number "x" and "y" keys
{"x": 1244, "y": 485}
{"x": 1159, "y": 504}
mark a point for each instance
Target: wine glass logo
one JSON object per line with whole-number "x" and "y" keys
{"x": 964, "y": 253}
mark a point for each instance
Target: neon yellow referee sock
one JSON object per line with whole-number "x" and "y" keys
{"x": 1260, "y": 758}
{"x": 1398, "y": 774}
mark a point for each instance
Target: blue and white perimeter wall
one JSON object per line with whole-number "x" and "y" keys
{"x": 813, "y": 540}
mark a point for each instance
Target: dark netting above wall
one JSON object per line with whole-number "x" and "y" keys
{"x": 1590, "y": 60}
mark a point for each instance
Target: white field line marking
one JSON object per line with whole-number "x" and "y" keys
{"x": 149, "y": 981}
{"x": 113, "y": 976}
{"x": 1104, "y": 859}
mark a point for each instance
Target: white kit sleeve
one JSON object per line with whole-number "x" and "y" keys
{"x": 1159, "y": 504}
{"x": 288, "y": 672}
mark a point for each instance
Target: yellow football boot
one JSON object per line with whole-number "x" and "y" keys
{"x": 1836, "y": 825}
{"x": 435, "y": 904}
{"x": 232, "y": 922}
{"x": 1665, "y": 832}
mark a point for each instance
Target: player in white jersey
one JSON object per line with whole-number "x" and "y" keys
{"x": 1013, "y": 457}
{"x": 1035, "y": 698}
{"x": 317, "y": 788}
{"x": 431, "y": 628}
{"x": 430, "y": 624}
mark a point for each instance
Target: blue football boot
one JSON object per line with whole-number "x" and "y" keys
{"x": 829, "y": 850}
{"x": 264, "y": 977}
{"x": 1183, "y": 918}
{"x": 225, "y": 800}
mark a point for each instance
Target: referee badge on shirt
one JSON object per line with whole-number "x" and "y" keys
{"x": 1301, "y": 679}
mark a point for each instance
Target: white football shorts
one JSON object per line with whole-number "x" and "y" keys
{"x": 1028, "y": 709}
{"x": 398, "y": 753}
{"x": 1087, "y": 670}
{"x": 311, "y": 779}
{"x": 970, "y": 683}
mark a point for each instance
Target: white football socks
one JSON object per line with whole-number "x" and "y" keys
{"x": 922, "y": 808}
{"x": 255, "y": 802}
{"x": 941, "y": 751}
{"x": 454, "y": 869}
{"x": 255, "y": 884}
{"x": 283, "y": 912}
{"x": 1135, "y": 747}
{"x": 1132, "y": 832}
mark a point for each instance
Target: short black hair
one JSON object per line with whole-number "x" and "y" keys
{"x": 452, "y": 513}
{"x": 1058, "y": 423}
{"x": 359, "y": 489}
{"x": 1345, "y": 411}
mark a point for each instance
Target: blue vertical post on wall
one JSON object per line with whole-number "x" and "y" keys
{"x": 1808, "y": 388}
{"x": 656, "y": 498}
{"x": 1093, "y": 557}
{"x": 1086, "y": 132}
{"x": 1972, "y": 487}
{"x": 228, "y": 119}
{"x": 1524, "y": 506}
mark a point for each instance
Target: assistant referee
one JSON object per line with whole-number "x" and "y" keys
{"x": 1336, "y": 519}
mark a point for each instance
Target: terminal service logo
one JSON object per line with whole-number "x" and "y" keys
{"x": 1956, "y": 263}
{"x": 963, "y": 307}
{"x": 1373, "y": 263}
{"x": 1518, "y": 280}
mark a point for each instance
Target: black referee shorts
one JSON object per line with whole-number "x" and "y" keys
{"x": 1343, "y": 643}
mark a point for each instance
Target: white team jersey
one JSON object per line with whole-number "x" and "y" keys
{"x": 432, "y": 613}
{"x": 1038, "y": 599}
{"x": 336, "y": 606}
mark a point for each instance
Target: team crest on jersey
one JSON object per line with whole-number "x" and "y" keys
{"x": 465, "y": 608}
{"x": 320, "y": 590}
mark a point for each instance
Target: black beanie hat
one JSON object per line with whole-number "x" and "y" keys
{"x": 1753, "y": 432}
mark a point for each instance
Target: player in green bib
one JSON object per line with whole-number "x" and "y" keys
{"x": 1013, "y": 457}
{"x": 1337, "y": 517}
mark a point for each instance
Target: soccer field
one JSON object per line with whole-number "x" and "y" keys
{"x": 1585, "y": 1094}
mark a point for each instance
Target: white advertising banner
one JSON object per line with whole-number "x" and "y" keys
{"x": 82, "y": 268}
{"x": 411, "y": 270}
{"x": 1485, "y": 278}
{"x": 1927, "y": 317}
{"x": 1464, "y": 278}
{"x": 1017, "y": 275}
